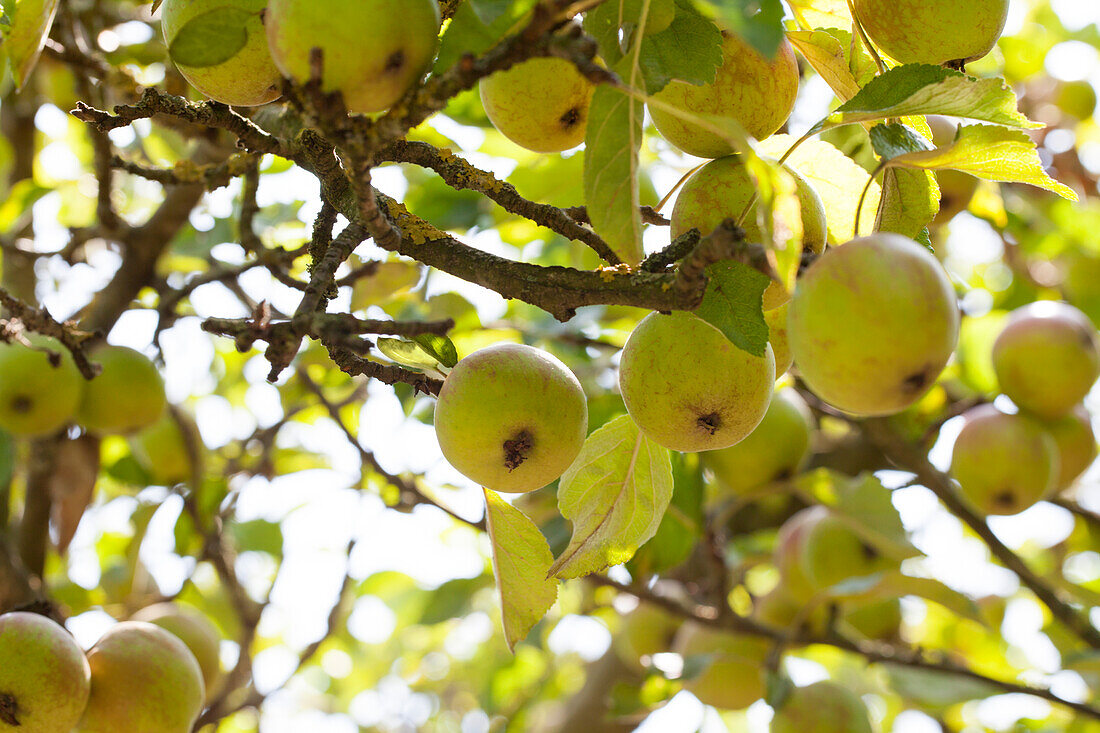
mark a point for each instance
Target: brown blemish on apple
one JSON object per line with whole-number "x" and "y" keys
{"x": 570, "y": 119}
{"x": 1004, "y": 499}
{"x": 710, "y": 423}
{"x": 395, "y": 62}
{"x": 22, "y": 403}
{"x": 517, "y": 449}
{"x": 9, "y": 710}
{"x": 869, "y": 552}
{"x": 917, "y": 381}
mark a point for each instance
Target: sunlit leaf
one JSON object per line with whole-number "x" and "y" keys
{"x": 733, "y": 304}
{"x": 24, "y": 36}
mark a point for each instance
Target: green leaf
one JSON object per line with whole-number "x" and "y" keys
{"x": 612, "y": 142}
{"x": 258, "y": 535}
{"x": 989, "y": 152}
{"x": 760, "y": 22}
{"x": 521, "y": 563}
{"x": 845, "y": 66}
{"x": 689, "y": 50}
{"x": 388, "y": 280}
{"x": 734, "y": 305}
{"x": 682, "y": 524}
{"x": 602, "y": 23}
{"x": 16, "y": 209}
{"x": 920, "y": 89}
{"x": 467, "y": 33}
{"x": 827, "y": 14}
{"x": 894, "y": 585}
{"x": 408, "y": 353}
{"x": 438, "y": 347}
{"x": 836, "y": 178}
{"x": 936, "y": 690}
{"x": 211, "y": 38}
{"x": 615, "y": 494}
{"x": 866, "y": 506}
{"x": 28, "y": 27}
{"x": 489, "y": 10}
{"x": 910, "y": 200}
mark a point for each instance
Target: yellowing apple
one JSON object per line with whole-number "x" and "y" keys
{"x": 511, "y": 417}
{"x": 144, "y": 680}
{"x": 789, "y": 544}
{"x": 756, "y": 92}
{"x": 248, "y": 77}
{"x": 933, "y": 31}
{"x": 540, "y": 104}
{"x": 373, "y": 51}
{"x": 832, "y": 552}
{"x": 1004, "y": 463}
{"x": 872, "y": 324}
{"x": 647, "y": 630}
{"x": 1047, "y": 357}
{"x": 194, "y": 629}
{"x": 162, "y": 450}
{"x": 734, "y": 679}
{"x": 774, "y": 450}
{"x": 688, "y": 387}
{"x": 875, "y": 620}
{"x": 44, "y": 677}
{"x": 1076, "y": 442}
{"x": 37, "y": 397}
{"x": 823, "y": 707}
{"x": 776, "y": 318}
{"x": 126, "y": 396}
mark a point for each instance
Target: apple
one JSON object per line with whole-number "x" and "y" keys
{"x": 540, "y": 104}
{"x": 659, "y": 14}
{"x": 249, "y": 77}
{"x": 194, "y": 629}
{"x": 774, "y": 450}
{"x": 756, "y": 92}
{"x": 126, "y": 396}
{"x": 872, "y": 324}
{"x": 688, "y": 387}
{"x": 875, "y": 620}
{"x": 823, "y": 707}
{"x": 144, "y": 680}
{"x": 373, "y": 51}
{"x": 647, "y": 630}
{"x": 789, "y": 543}
{"x": 933, "y": 31}
{"x": 37, "y": 397}
{"x": 1076, "y": 99}
{"x": 1076, "y": 442}
{"x": 44, "y": 677}
{"x": 776, "y": 318}
{"x": 162, "y": 450}
{"x": 832, "y": 552}
{"x": 1004, "y": 463}
{"x": 734, "y": 678}
{"x": 778, "y": 608}
{"x": 511, "y": 417}
{"x": 1047, "y": 357}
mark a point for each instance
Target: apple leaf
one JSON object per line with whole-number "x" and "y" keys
{"x": 438, "y": 347}
{"x": 910, "y": 198}
{"x": 760, "y": 22}
{"x": 989, "y": 152}
{"x": 734, "y": 304}
{"x": 71, "y": 485}
{"x": 866, "y": 506}
{"x": 489, "y": 10}
{"x": 388, "y": 280}
{"x": 467, "y": 33}
{"x": 894, "y": 585}
{"x": 211, "y": 38}
{"x": 682, "y": 524}
{"x": 612, "y": 142}
{"x": 25, "y": 32}
{"x": 838, "y": 180}
{"x": 845, "y": 66}
{"x": 689, "y": 50}
{"x": 409, "y": 354}
{"x": 615, "y": 494}
{"x": 821, "y": 13}
{"x": 936, "y": 690}
{"x": 521, "y": 563}
{"x": 921, "y": 89}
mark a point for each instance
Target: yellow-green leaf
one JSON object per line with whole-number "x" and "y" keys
{"x": 615, "y": 494}
{"x": 24, "y": 37}
{"x": 844, "y": 66}
{"x": 521, "y": 563}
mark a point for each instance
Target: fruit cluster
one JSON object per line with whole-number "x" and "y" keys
{"x": 150, "y": 674}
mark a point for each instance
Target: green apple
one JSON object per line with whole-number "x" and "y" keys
{"x": 789, "y": 543}
{"x": 540, "y": 104}
{"x": 722, "y": 189}
{"x": 778, "y": 608}
{"x": 756, "y": 92}
{"x": 248, "y": 77}
{"x": 194, "y": 629}
{"x": 776, "y": 449}
{"x": 144, "y": 680}
{"x": 876, "y": 620}
{"x": 126, "y": 396}
{"x": 511, "y": 417}
{"x": 37, "y": 397}
{"x": 823, "y": 707}
{"x": 688, "y": 387}
{"x": 1081, "y": 282}
{"x": 1076, "y": 441}
{"x": 162, "y": 450}
{"x": 776, "y": 318}
{"x": 647, "y": 630}
{"x": 1004, "y": 463}
{"x": 872, "y": 324}
{"x": 44, "y": 677}
{"x": 832, "y": 552}
{"x": 933, "y": 31}
{"x": 1076, "y": 99}
{"x": 734, "y": 678}
{"x": 1047, "y": 357}
{"x": 659, "y": 14}
{"x": 373, "y": 51}
{"x": 956, "y": 188}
